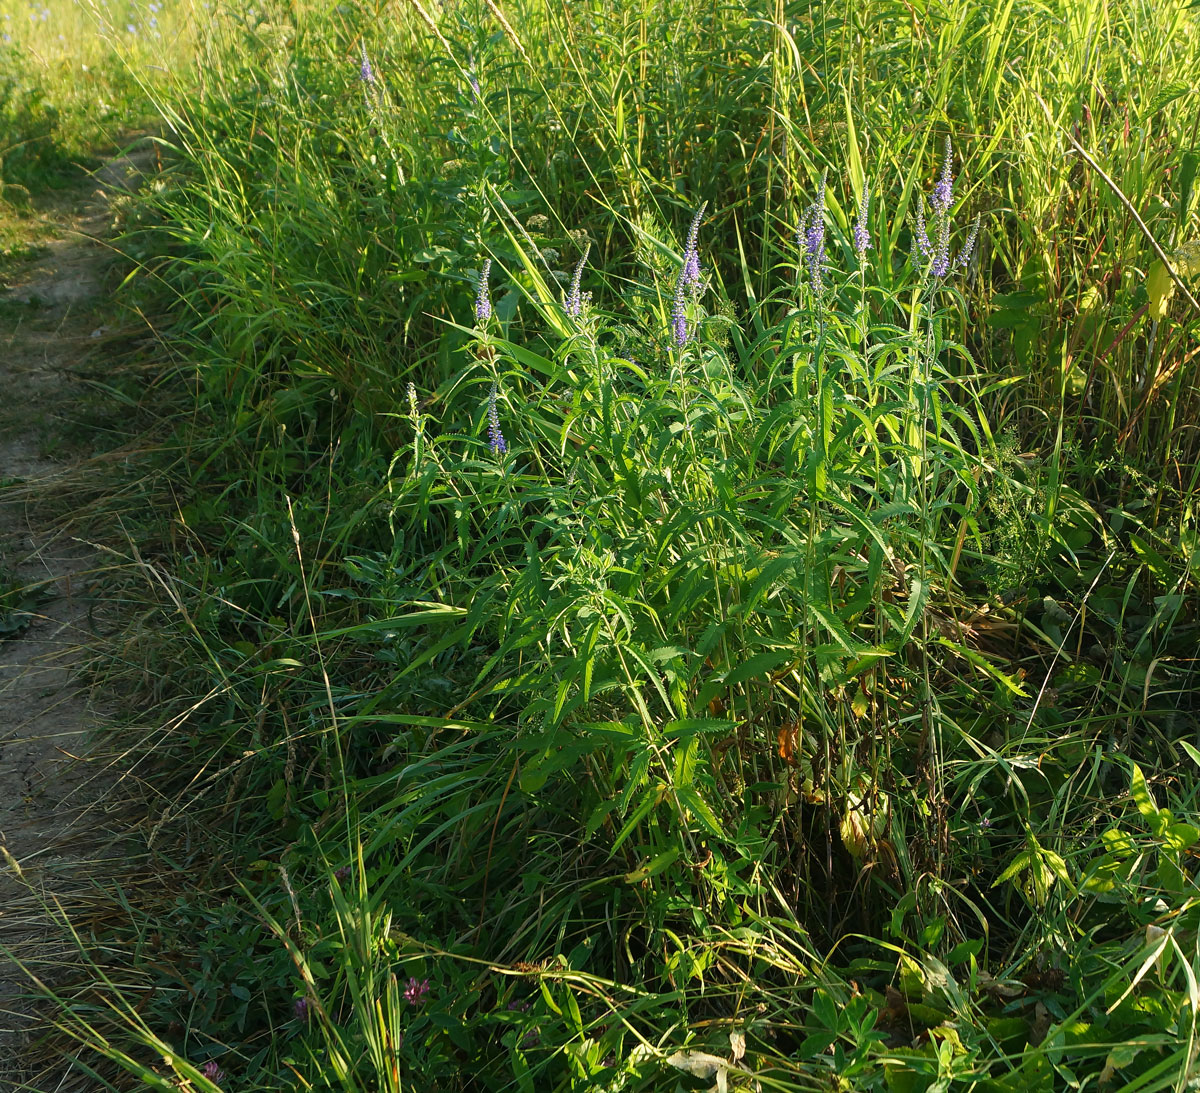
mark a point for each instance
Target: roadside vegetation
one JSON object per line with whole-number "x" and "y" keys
{"x": 672, "y": 551}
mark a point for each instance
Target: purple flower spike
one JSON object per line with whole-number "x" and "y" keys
{"x": 940, "y": 265}
{"x": 416, "y": 990}
{"x": 679, "y": 323}
{"x": 862, "y": 238}
{"x": 212, "y": 1072}
{"x": 688, "y": 282}
{"x": 964, "y": 255}
{"x": 934, "y": 253}
{"x": 499, "y": 446}
{"x": 691, "y": 270}
{"x": 943, "y": 191}
{"x": 365, "y": 72}
{"x": 483, "y": 301}
{"x": 811, "y": 233}
{"x": 574, "y": 299}
{"x": 921, "y": 235}
{"x": 691, "y": 252}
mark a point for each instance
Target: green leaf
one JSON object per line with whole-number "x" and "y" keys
{"x": 1117, "y": 841}
{"x": 685, "y": 763}
{"x": 649, "y": 800}
{"x": 1165, "y": 96}
{"x": 918, "y": 593}
{"x": 1153, "y": 561}
{"x": 986, "y": 665}
{"x": 1193, "y": 753}
{"x": 833, "y": 624}
{"x": 759, "y": 665}
{"x": 1140, "y": 792}
{"x": 691, "y": 800}
{"x": 1020, "y": 863}
{"x": 699, "y": 726}
{"x": 653, "y": 867}
{"x": 1180, "y": 836}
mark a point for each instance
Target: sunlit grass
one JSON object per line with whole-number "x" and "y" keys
{"x": 808, "y": 671}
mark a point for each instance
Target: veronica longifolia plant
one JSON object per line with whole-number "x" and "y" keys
{"x": 688, "y": 282}
{"x": 810, "y": 235}
{"x": 933, "y": 254}
{"x": 483, "y": 300}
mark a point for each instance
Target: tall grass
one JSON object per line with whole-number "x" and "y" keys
{"x": 74, "y": 79}
{"x": 803, "y": 685}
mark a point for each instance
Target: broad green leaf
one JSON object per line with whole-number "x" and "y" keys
{"x": 685, "y": 763}
{"x": 918, "y": 592}
{"x": 1180, "y": 836}
{"x": 1156, "y": 947}
{"x": 1117, "y": 841}
{"x": 1140, "y": 792}
{"x": 1159, "y": 288}
{"x": 1193, "y": 753}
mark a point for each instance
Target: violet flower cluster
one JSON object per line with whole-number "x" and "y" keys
{"x": 483, "y": 301}
{"x": 691, "y": 251}
{"x": 366, "y": 75}
{"x": 935, "y": 251}
{"x": 496, "y": 439}
{"x": 416, "y": 989}
{"x": 862, "y": 237}
{"x": 688, "y": 283}
{"x": 810, "y": 235}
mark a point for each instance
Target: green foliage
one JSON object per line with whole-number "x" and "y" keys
{"x": 797, "y": 695}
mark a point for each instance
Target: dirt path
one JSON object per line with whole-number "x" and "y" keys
{"x": 53, "y": 797}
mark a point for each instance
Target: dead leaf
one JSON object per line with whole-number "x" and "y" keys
{"x": 702, "y": 1065}
{"x": 1040, "y": 1026}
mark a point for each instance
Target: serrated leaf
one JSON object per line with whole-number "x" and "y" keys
{"x": 918, "y": 592}
{"x": 1166, "y": 96}
{"x": 693, "y": 726}
{"x": 1054, "y": 862}
{"x": 980, "y": 661}
{"x": 690, "y": 799}
{"x": 761, "y": 664}
{"x": 1021, "y": 862}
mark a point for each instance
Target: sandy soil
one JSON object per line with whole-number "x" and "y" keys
{"x": 55, "y": 807}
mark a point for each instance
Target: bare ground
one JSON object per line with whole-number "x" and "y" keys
{"x": 60, "y": 845}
